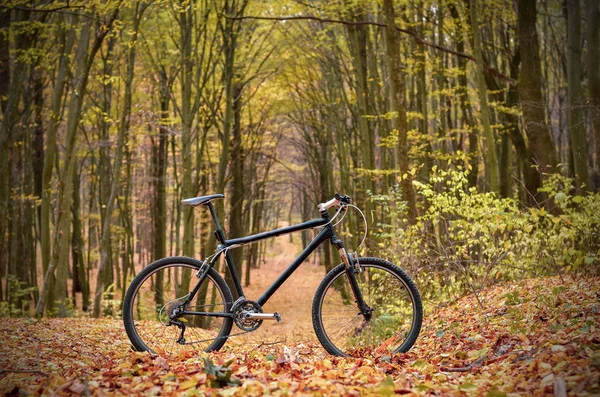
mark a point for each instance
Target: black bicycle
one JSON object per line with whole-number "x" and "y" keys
{"x": 363, "y": 304}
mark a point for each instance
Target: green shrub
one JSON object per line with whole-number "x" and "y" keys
{"x": 464, "y": 239}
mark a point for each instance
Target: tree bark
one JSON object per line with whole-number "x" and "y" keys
{"x": 59, "y": 261}
{"x": 357, "y": 43}
{"x": 102, "y": 278}
{"x": 236, "y": 198}
{"x": 465, "y": 104}
{"x": 575, "y": 95}
{"x": 492, "y": 170}
{"x": 66, "y": 44}
{"x": 10, "y": 115}
{"x": 541, "y": 147}
{"x": 62, "y": 235}
{"x": 398, "y": 106}
{"x": 593, "y": 73}
{"x": 80, "y": 281}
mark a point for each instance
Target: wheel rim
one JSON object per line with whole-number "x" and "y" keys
{"x": 392, "y": 319}
{"x": 157, "y": 297}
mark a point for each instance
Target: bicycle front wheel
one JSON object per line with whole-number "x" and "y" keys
{"x": 394, "y": 318}
{"x": 157, "y": 294}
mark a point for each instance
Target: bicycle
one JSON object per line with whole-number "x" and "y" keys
{"x": 363, "y": 303}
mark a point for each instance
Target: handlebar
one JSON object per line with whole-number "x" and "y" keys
{"x": 336, "y": 201}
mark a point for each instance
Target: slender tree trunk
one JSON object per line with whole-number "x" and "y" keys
{"x": 62, "y": 235}
{"x": 10, "y": 114}
{"x": 398, "y": 105}
{"x": 102, "y": 278}
{"x": 593, "y": 72}
{"x": 491, "y": 155}
{"x": 575, "y": 94}
{"x": 541, "y": 147}
{"x": 187, "y": 115}
{"x": 66, "y": 44}
{"x": 236, "y": 198}
{"x": 465, "y": 104}
{"x": 358, "y": 36}
{"x": 4, "y": 58}
{"x": 80, "y": 281}
{"x": 159, "y": 170}
{"x": 423, "y": 98}
{"x": 59, "y": 261}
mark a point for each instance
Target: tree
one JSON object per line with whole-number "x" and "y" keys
{"x": 59, "y": 260}
{"x": 575, "y": 94}
{"x": 593, "y": 71}
{"x": 541, "y": 147}
{"x": 398, "y": 106}
{"x": 492, "y": 169}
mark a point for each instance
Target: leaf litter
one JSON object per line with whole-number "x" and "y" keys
{"x": 537, "y": 337}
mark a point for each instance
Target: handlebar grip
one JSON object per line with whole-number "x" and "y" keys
{"x": 343, "y": 199}
{"x": 336, "y": 200}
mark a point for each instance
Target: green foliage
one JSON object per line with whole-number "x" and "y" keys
{"x": 571, "y": 237}
{"x": 465, "y": 239}
{"x": 219, "y": 375}
{"x": 18, "y": 298}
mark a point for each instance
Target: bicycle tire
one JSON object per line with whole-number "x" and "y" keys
{"x": 145, "y": 308}
{"x": 388, "y": 290}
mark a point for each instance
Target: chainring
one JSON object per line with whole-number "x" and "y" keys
{"x": 239, "y": 315}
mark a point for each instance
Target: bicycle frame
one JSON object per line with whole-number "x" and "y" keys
{"x": 326, "y": 234}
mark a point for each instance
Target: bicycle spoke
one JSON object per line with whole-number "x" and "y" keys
{"x": 155, "y": 306}
{"x": 389, "y": 322}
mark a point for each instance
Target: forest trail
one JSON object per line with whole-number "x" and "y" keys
{"x": 293, "y": 300}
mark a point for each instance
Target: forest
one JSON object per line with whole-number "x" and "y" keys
{"x": 467, "y": 131}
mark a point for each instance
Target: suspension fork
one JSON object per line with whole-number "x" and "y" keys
{"x": 351, "y": 271}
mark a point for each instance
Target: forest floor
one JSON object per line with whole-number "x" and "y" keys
{"x": 533, "y": 337}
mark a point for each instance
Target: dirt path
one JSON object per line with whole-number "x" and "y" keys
{"x": 293, "y": 300}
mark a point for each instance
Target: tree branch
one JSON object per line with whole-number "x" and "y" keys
{"x": 33, "y": 9}
{"x": 409, "y": 32}
{"x": 23, "y": 371}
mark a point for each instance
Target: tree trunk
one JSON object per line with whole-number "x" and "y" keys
{"x": 187, "y": 116}
{"x": 80, "y": 281}
{"x": 358, "y": 36}
{"x": 66, "y": 44}
{"x": 541, "y": 147}
{"x": 575, "y": 94}
{"x": 62, "y": 235}
{"x": 10, "y": 115}
{"x": 236, "y": 197}
{"x": 159, "y": 175}
{"x": 491, "y": 155}
{"x": 59, "y": 260}
{"x": 593, "y": 72}
{"x": 102, "y": 278}
{"x": 398, "y": 106}
{"x": 465, "y": 104}
{"x": 4, "y": 58}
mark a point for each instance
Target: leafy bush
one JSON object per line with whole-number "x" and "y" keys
{"x": 465, "y": 239}
{"x": 19, "y": 298}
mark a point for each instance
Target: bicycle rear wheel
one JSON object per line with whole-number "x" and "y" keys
{"x": 395, "y": 317}
{"x": 157, "y": 293}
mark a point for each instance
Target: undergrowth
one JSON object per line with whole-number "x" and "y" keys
{"x": 466, "y": 240}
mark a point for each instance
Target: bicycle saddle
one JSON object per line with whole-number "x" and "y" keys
{"x": 193, "y": 202}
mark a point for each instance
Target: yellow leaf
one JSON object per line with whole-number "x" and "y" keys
{"x": 188, "y": 384}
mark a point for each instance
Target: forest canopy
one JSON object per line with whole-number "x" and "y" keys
{"x": 468, "y": 131}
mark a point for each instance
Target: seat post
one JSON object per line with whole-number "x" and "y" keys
{"x": 219, "y": 232}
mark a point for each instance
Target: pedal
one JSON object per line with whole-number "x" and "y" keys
{"x": 277, "y": 317}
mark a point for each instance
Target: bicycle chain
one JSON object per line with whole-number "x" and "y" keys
{"x": 212, "y": 339}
